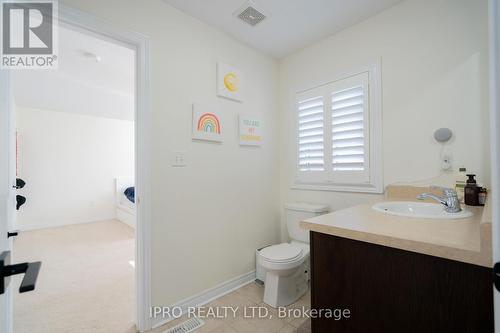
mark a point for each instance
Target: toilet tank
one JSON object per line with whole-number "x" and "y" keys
{"x": 299, "y": 211}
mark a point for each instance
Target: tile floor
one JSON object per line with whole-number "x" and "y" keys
{"x": 248, "y": 296}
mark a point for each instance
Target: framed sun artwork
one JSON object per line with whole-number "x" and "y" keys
{"x": 207, "y": 124}
{"x": 229, "y": 82}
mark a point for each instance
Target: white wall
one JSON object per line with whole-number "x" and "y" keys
{"x": 209, "y": 217}
{"x": 434, "y": 74}
{"x": 69, "y": 163}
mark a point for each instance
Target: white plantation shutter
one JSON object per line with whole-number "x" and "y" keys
{"x": 350, "y": 129}
{"x": 334, "y": 135}
{"x": 311, "y": 134}
{"x": 348, "y": 152}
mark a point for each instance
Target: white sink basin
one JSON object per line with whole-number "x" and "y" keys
{"x": 422, "y": 210}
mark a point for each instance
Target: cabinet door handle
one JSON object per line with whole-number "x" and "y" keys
{"x": 496, "y": 276}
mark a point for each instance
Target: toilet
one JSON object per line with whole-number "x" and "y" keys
{"x": 286, "y": 265}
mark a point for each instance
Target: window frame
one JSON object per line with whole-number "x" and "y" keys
{"x": 325, "y": 180}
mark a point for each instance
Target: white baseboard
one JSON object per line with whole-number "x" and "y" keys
{"x": 126, "y": 216}
{"x": 57, "y": 224}
{"x": 208, "y": 295}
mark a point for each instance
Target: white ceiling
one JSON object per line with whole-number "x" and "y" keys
{"x": 291, "y": 25}
{"x": 81, "y": 84}
{"x": 85, "y": 86}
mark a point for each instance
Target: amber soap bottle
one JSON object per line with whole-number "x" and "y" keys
{"x": 471, "y": 191}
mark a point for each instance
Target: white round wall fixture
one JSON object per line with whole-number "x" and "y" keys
{"x": 443, "y": 134}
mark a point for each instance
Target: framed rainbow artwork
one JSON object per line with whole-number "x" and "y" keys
{"x": 229, "y": 82}
{"x": 207, "y": 124}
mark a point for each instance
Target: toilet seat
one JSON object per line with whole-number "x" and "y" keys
{"x": 282, "y": 253}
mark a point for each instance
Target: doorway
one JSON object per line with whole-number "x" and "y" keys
{"x": 75, "y": 160}
{"x": 77, "y": 20}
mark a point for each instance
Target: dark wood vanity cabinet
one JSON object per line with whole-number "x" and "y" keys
{"x": 391, "y": 290}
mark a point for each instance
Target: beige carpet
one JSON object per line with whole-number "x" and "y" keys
{"x": 86, "y": 283}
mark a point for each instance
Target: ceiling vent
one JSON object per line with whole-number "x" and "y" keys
{"x": 249, "y": 13}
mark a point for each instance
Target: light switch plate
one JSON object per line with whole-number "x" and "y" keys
{"x": 179, "y": 159}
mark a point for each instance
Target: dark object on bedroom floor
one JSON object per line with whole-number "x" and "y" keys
{"x": 130, "y": 194}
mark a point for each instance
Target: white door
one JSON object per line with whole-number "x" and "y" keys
{"x": 494, "y": 30}
{"x": 7, "y": 192}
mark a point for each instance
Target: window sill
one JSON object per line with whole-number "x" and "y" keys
{"x": 369, "y": 188}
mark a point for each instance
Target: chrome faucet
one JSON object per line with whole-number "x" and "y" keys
{"x": 449, "y": 199}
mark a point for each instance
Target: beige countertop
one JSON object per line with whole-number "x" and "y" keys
{"x": 466, "y": 240}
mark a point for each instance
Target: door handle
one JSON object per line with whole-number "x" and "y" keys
{"x": 30, "y": 271}
{"x": 12, "y": 234}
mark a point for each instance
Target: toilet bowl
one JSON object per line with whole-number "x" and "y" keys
{"x": 287, "y": 272}
{"x": 287, "y": 264}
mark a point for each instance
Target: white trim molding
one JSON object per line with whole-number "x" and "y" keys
{"x": 141, "y": 45}
{"x": 7, "y": 195}
{"x": 494, "y": 46}
{"x": 58, "y": 224}
{"x": 208, "y": 296}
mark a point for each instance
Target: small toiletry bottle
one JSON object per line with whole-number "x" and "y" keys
{"x": 460, "y": 182}
{"x": 483, "y": 193}
{"x": 471, "y": 191}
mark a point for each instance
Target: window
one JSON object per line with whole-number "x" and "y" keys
{"x": 339, "y": 135}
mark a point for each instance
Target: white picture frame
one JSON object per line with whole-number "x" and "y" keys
{"x": 250, "y": 131}
{"x": 207, "y": 124}
{"x": 230, "y": 82}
